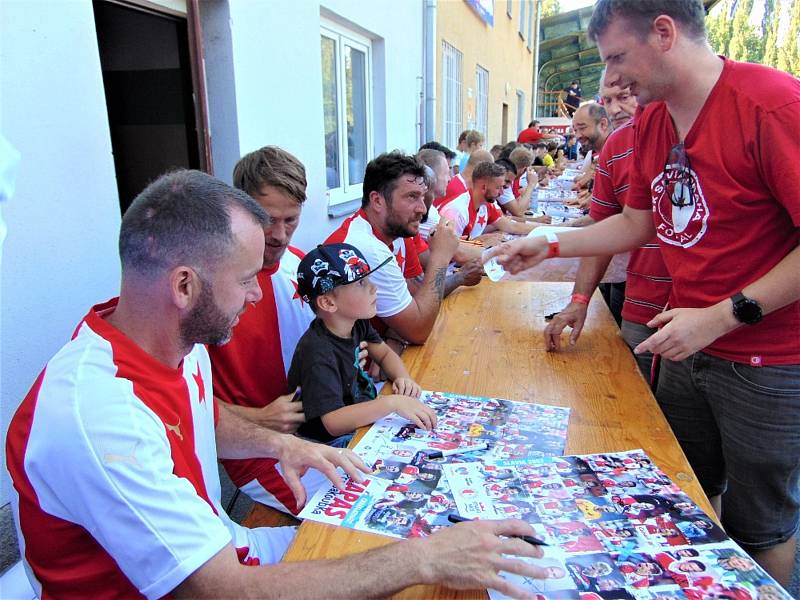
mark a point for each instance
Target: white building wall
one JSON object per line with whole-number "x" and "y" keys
{"x": 60, "y": 256}
{"x": 274, "y": 51}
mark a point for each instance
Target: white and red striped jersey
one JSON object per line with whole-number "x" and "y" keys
{"x": 113, "y": 460}
{"x": 393, "y": 294}
{"x": 251, "y": 369}
{"x": 466, "y": 220}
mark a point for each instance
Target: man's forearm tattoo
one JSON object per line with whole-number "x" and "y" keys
{"x": 438, "y": 282}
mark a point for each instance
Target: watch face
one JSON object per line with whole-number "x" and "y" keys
{"x": 748, "y": 311}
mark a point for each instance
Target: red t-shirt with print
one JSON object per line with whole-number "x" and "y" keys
{"x": 741, "y": 214}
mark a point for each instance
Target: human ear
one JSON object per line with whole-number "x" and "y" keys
{"x": 326, "y": 303}
{"x": 185, "y": 286}
{"x": 665, "y": 32}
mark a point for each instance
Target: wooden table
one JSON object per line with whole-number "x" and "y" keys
{"x": 488, "y": 341}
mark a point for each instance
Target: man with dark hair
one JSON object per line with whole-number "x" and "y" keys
{"x": 462, "y": 181}
{"x": 476, "y": 209}
{"x": 392, "y": 207}
{"x": 571, "y": 147}
{"x": 448, "y": 154}
{"x": 250, "y": 372}
{"x": 727, "y": 217}
{"x": 113, "y": 453}
{"x": 572, "y": 97}
{"x": 532, "y": 134}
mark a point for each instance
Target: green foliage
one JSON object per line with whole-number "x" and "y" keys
{"x": 550, "y": 8}
{"x": 788, "y": 53}
{"x": 719, "y": 28}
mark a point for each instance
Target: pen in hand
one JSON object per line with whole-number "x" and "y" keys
{"x": 533, "y": 541}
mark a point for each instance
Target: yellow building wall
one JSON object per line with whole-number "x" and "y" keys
{"x": 500, "y": 50}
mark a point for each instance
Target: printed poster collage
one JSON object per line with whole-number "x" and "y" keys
{"x": 615, "y": 525}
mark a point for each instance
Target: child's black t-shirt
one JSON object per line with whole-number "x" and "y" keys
{"x": 326, "y": 367}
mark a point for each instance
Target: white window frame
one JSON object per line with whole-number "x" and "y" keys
{"x": 520, "y": 111}
{"x": 482, "y": 100}
{"x": 530, "y": 24}
{"x": 452, "y": 94}
{"x": 344, "y": 37}
{"x": 522, "y": 19}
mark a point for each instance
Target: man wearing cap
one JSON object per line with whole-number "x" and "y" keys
{"x": 391, "y": 210}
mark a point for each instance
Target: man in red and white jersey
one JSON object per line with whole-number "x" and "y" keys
{"x": 648, "y": 282}
{"x": 250, "y": 371}
{"x": 476, "y": 209}
{"x": 727, "y": 216}
{"x": 392, "y": 207}
{"x": 463, "y": 181}
{"x": 113, "y": 453}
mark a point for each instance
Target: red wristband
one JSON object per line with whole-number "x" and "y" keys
{"x": 580, "y": 298}
{"x": 553, "y": 247}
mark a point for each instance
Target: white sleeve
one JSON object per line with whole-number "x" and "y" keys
{"x": 109, "y": 469}
{"x": 506, "y": 197}
{"x": 393, "y": 294}
{"x": 433, "y": 221}
{"x": 456, "y": 216}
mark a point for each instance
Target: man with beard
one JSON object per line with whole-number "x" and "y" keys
{"x": 476, "y": 209}
{"x": 648, "y": 282}
{"x": 727, "y": 217}
{"x": 391, "y": 210}
{"x": 250, "y": 372}
{"x": 113, "y": 452}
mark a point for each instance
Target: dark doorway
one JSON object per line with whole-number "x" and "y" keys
{"x": 147, "y": 77}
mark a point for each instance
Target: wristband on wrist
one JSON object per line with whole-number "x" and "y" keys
{"x": 580, "y": 298}
{"x": 553, "y": 249}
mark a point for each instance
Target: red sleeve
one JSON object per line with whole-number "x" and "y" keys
{"x": 515, "y": 187}
{"x": 420, "y": 244}
{"x": 778, "y": 166}
{"x": 493, "y": 211}
{"x": 412, "y": 267}
{"x": 639, "y": 190}
{"x": 604, "y": 200}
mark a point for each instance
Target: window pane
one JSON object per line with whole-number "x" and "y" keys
{"x": 356, "y": 94}
{"x": 329, "y": 104}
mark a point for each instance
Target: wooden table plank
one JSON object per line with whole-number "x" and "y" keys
{"x": 487, "y": 341}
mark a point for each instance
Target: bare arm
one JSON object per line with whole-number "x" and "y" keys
{"x": 507, "y": 225}
{"x": 614, "y": 235}
{"x": 415, "y": 322}
{"x": 281, "y": 415}
{"x": 389, "y": 361}
{"x": 349, "y": 418}
{"x": 239, "y": 438}
{"x": 465, "y": 556}
{"x": 685, "y": 331}
{"x": 583, "y": 221}
{"x": 590, "y": 272}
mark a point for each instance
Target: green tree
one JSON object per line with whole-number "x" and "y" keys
{"x": 770, "y": 56}
{"x": 719, "y": 28}
{"x": 788, "y": 54}
{"x": 745, "y": 43}
{"x": 550, "y": 8}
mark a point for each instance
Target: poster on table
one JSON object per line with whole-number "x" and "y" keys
{"x": 407, "y": 495}
{"x": 616, "y": 527}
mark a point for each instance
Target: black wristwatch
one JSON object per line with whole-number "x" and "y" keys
{"x": 746, "y": 310}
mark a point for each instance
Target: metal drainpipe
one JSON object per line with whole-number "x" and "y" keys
{"x": 536, "y": 60}
{"x": 429, "y": 57}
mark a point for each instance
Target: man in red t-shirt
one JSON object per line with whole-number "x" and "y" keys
{"x": 531, "y": 135}
{"x": 715, "y": 178}
{"x": 648, "y": 282}
{"x": 250, "y": 371}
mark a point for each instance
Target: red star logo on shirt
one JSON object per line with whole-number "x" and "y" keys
{"x": 297, "y": 295}
{"x": 201, "y": 387}
{"x": 482, "y": 220}
{"x": 400, "y": 259}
